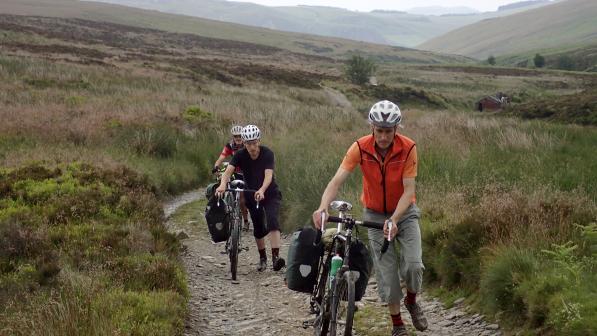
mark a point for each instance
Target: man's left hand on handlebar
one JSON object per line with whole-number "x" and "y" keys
{"x": 317, "y": 218}
{"x": 259, "y": 195}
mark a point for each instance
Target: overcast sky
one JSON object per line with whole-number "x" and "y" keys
{"x": 360, "y": 5}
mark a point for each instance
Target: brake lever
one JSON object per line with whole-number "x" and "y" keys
{"x": 386, "y": 242}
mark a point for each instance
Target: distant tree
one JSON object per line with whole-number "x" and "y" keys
{"x": 359, "y": 69}
{"x": 566, "y": 62}
{"x": 491, "y": 60}
{"x": 539, "y": 61}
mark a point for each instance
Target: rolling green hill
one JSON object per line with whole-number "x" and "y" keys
{"x": 556, "y": 26}
{"x": 378, "y": 26}
{"x": 302, "y": 43}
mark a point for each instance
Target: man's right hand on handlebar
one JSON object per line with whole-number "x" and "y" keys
{"x": 220, "y": 190}
{"x": 215, "y": 169}
{"x": 317, "y": 217}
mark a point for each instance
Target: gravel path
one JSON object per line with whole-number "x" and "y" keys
{"x": 260, "y": 304}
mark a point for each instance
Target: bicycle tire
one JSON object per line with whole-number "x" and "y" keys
{"x": 323, "y": 299}
{"x": 233, "y": 251}
{"x": 322, "y": 321}
{"x": 234, "y": 242}
{"x": 343, "y": 306}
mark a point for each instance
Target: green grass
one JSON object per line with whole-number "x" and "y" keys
{"x": 81, "y": 246}
{"x": 580, "y": 108}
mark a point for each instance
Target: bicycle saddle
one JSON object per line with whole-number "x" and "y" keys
{"x": 341, "y": 206}
{"x": 237, "y": 184}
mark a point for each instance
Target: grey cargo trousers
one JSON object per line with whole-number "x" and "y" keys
{"x": 387, "y": 270}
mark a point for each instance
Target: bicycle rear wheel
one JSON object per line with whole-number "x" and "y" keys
{"x": 343, "y": 306}
{"x": 323, "y": 302}
{"x": 322, "y": 321}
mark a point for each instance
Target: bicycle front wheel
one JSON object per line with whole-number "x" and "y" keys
{"x": 343, "y": 306}
{"x": 234, "y": 245}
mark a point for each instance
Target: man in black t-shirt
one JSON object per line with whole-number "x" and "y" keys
{"x": 257, "y": 164}
{"x": 235, "y": 144}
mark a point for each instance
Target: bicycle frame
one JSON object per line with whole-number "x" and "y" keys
{"x": 334, "y": 249}
{"x": 326, "y": 295}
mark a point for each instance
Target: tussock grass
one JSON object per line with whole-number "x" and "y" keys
{"x": 82, "y": 246}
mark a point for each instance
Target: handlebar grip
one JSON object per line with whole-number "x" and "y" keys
{"x": 373, "y": 225}
{"x": 333, "y": 219}
{"x": 386, "y": 242}
{"x": 320, "y": 232}
{"x": 385, "y": 245}
{"x": 317, "y": 238}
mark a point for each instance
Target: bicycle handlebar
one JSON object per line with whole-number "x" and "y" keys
{"x": 240, "y": 190}
{"x": 372, "y": 225}
{"x": 369, "y": 224}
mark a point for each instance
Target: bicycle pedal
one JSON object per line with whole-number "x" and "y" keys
{"x": 308, "y": 323}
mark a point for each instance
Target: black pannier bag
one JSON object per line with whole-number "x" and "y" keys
{"x": 303, "y": 260}
{"x": 210, "y": 191}
{"x": 360, "y": 260}
{"x": 218, "y": 220}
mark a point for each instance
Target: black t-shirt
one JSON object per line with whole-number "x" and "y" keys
{"x": 233, "y": 147}
{"x": 254, "y": 170}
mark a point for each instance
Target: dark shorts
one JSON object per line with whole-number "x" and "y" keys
{"x": 265, "y": 218}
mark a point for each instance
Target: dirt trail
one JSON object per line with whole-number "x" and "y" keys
{"x": 259, "y": 303}
{"x": 337, "y": 97}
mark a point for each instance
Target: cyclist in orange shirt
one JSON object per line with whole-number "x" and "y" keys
{"x": 388, "y": 161}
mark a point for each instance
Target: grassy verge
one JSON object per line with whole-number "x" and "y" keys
{"x": 84, "y": 251}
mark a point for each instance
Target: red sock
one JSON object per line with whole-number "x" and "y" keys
{"x": 262, "y": 254}
{"x": 411, "y": 298}
{"x": 397, "y": 320}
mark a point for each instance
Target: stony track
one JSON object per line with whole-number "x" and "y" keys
{"x": 260, "y": 304}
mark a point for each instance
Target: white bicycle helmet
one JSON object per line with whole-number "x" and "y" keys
{"x": 251, "y": 132}
{"x": 236, "y": 130}
{"x": 385, "y": 114}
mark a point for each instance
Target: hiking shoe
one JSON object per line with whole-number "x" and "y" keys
{"x": 262, "y": 264}
{"x": 278, "y": 263}
{"x": 417, "y": 316}
{"x": 399, "y": 331}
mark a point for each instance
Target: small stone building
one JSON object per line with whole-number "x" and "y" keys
{"x": 492, "y": 103}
